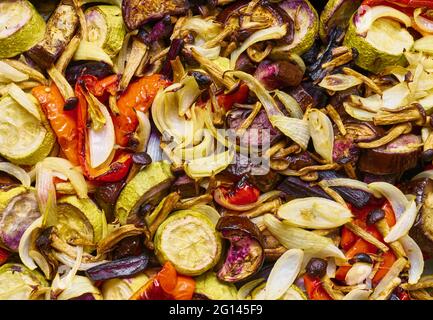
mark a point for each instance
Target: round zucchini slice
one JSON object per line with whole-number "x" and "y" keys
{"x": 19, "y": 283}
{"x": 80, "y": 219}
{"x": 149, "y": 185}
{"x": 188, "y": 240}
{"x": 213, "y": 288}
{"x": 106, "y": 28}
{"x": 24, "y": 140}
{"x": 383, "y": 45}
{"x": 21, "y": 27}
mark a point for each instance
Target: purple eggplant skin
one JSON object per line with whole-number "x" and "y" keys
{"x": 130, "y": 246}
{"x": 94, "y": 68}
{"x": 245, "y": 64}
{"x": 422, "y": 229}
{"x": 296, "y": 188}
{"x": 258, "y": 132}
{"x": 389, "y": 178}
{"x": 160, "y": 31}
{"x": 243, "y": 166}
{"x": 246, "y": 254}
{"x": 356, "y": 197}
{"x": 174, "y": 51}
{"x": 345, "y": 151}
{"x": 279, "y": 74}
{"x": 85, "y": 296}
{"x": 186, "y": 187}
{"x": 300, "y": 160}
{"x": 121, "y": 268}
{"x": 284, "y": 19}
{"x": 138, "y": 12}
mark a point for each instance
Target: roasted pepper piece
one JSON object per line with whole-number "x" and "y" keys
{"x": 62, "y": 121}
{"x": 4, "y": 255}
{"x": 138, "y": 96}
{"x": 242, "y": 193}
{"x": 226, "y": 101}
{"x": 315, "y": 289}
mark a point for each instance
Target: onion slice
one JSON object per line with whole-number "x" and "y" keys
{"x": 403, "y": 225}
{"x": 17, "y": 172}
{"x": 392, "y": 273}
{"x": 422, "y": 23}
{"x": 246, "y": 289}
{"x": 415, "y": 257}
{"x": 46, "y": 194}
{"x": 208, "y": 166}
{"x": 322, "y": 134}
{"x": 314, "y": 213}
{"x": 371, "y": 14}
{"x": 397, "y": 199}
{"x": 291, "y": 105}
{"x": 24, "y": 100}
{"x": 296, "y": 129}
{"x": 222, "y": 201}
{"x": 101, "y": 142}
{"x": 276, "y": 32}
{"x": 284, "y": 273}
{"x": 11, "y": 73}
{"x": 358, "y": 273}
{"x": 293, "y": 237}
{"x": 358, "y": 294}
{"x": 144, "y": 130}
{"x": 24, "y": 246}
{"x": 424, "y": 174}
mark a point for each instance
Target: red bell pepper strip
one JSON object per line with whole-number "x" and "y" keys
{"x": 4, "y": 255}
{"x": 138, "y": 96}
{"x": 314, "y": 288}
{"x": 62, "y": 122}
{"x": 242, "y": 193}
{"x": 226, "y": 101}
{"x": 166, "y": 285}
{"x": 389, "y": 214}
{"x": 119, "y": 167}
{"x": 388, "y": 260}
{"x": 348, "y": 238}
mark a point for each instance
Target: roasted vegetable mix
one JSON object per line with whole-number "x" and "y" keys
{"x": 178, "y": 150}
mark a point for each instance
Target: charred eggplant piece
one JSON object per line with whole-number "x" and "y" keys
{"x": 125, "y": 267}
{"x": 296, "y": 188}
{"x": 61, "y": 28}
{"x": 243, "y": 166}
{"x": 394, "y": 158}
{"x": 345, "y": 151}
{"x": 356, "y": 197}
{"x": 363, "y": 131}
{"x": 299, "y": 161}
{"x": 278, "y": 74}
{"x": 258, "y": 132}
{"x": 245, "y": 64}
{"x": 138, "y": 12}
{"x": 422, "y": 230}
{"x": 245, "y": 255}
{"x": 97, "y": 69}
{"x": 186, "y": 187}
{"x": 160, "y": 31}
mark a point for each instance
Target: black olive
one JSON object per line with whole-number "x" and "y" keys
{"x": 361, "y": 257}
{"x": 202, "y": 79}
{"x": 427, "y": 155}
{"x": 141, "y": 158}
{"x": 316, "y": 267}
{"x": 375, "y": 216}
{"x": 71, "y": 104}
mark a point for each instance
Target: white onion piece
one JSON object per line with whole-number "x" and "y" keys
{"x": 424, "y": 174}
{"x": 348, "y": 183}
{"x": 101, "y": 142}
{"x": 153, "y": 147}
{"x": 46, "y": 194}
{"x": 24, "y": 246}
{"x": 331, "y": 268}
{"x": 291, "y": 105}
{"x": 358, "y": 294}
{"x": 371, "y": 14}
{"x": 339, "y": 82}
{"x": 403, "y": 225}
{"x": 424, "y": 44}
{"x": 68, "y": 261}
{"x": 79, "y": 285}
{"x": 422, "y": 23}
{"x": 314, "y": 213}
{"x": 293, "y": 237}
{"x": 295, "y": 129}
{"x": 23, "y": 99}
{"x": 358, "y": 113}
{"x": 322, "y": 133}
{"x": 208, "y": 166}
{"x": 11, "y": 73}
{"x": 271, "y": 33}
{"x": 143, "y": 131}
{"x": 358, "y": 273}
{"x": 74, "y": 175}
{"x": 17, "y": 172}
{"x": 210, "y": 53}
{"x": 283, "y": 274}
{"x": 415, "y": 257}
{"x": 396, "y": 198}
{"x": 246, "y": 289}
